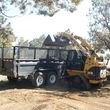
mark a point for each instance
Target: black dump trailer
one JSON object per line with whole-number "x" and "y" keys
{"x": 41, "y": 65}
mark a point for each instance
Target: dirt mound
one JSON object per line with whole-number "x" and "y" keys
{"x": 22, "y": 95}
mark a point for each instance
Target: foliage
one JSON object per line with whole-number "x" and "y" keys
{"x": 23, "y": 42}
{"x": 107, "y": 56}
{"x": 45, "y": 7}
{"x": 37, "y": 42}
{"x": 6, "y": 36}
{"x": 6, "y": 33}
{"x": 100, "y": 24}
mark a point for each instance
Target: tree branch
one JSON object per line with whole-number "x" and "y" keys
{"x": 5, "y": 14}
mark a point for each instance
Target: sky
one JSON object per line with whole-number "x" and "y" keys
{"x": 33, "y": 26}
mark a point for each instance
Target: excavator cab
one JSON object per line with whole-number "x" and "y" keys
{"x": 75, "y": 60}
{"x": 90, "y": 52}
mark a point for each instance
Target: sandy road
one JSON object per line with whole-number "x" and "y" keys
{"x": 22, "y": 96}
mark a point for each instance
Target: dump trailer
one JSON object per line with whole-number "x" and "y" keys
{"x": 43, "y": 66}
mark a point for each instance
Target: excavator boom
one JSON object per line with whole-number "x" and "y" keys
{"x": 83, "y": 45}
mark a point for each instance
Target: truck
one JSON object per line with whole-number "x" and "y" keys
{"x": 45, "y": 65}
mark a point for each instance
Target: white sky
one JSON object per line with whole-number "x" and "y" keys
{"x": 32, "y": 26}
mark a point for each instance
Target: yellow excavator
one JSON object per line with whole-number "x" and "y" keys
{"x": 94, "y": 69}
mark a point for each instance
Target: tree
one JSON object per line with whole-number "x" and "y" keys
{"x": 100, "y": 24}
{"x": 45, "y": 7}
{"x": 23, "y": 42}
{"x": 6, "y": 36}
{"x": 37, "y": 42}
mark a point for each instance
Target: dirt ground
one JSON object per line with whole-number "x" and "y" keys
{"x": 23, "y": 96}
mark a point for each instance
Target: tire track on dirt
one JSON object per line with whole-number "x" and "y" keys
{"x": 59, "y": 96}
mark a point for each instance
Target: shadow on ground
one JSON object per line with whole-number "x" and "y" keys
{"x": 21, "y": 84}
{"x": 26, "y": 84}
{"x": 59, "y": 86}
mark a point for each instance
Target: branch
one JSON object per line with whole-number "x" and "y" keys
{"x": 105, "y": 19}
{"x": 5, "y": 14}
{"x": 106, "y": 44}
{"x": 104, "y": 41}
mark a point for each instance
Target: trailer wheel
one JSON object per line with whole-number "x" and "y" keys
{"x": 51, "y": 78}
{"x": 39, "y": 79}
{"x": 12, "y": 79}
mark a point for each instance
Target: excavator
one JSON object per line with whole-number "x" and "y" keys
{"x": 94, "y": 69}
{"x": 82, "y": 64}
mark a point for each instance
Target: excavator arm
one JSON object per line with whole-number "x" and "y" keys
{"x": 73, "y": 40}
{"x": 82, "y": 45}
{"x": 83, "y": 42}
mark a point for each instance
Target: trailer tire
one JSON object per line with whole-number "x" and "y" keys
{"x": 51, "y": 78}
{"x": 39, "y": 79}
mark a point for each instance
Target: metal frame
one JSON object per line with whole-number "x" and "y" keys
{"x": 22, "y": 67}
